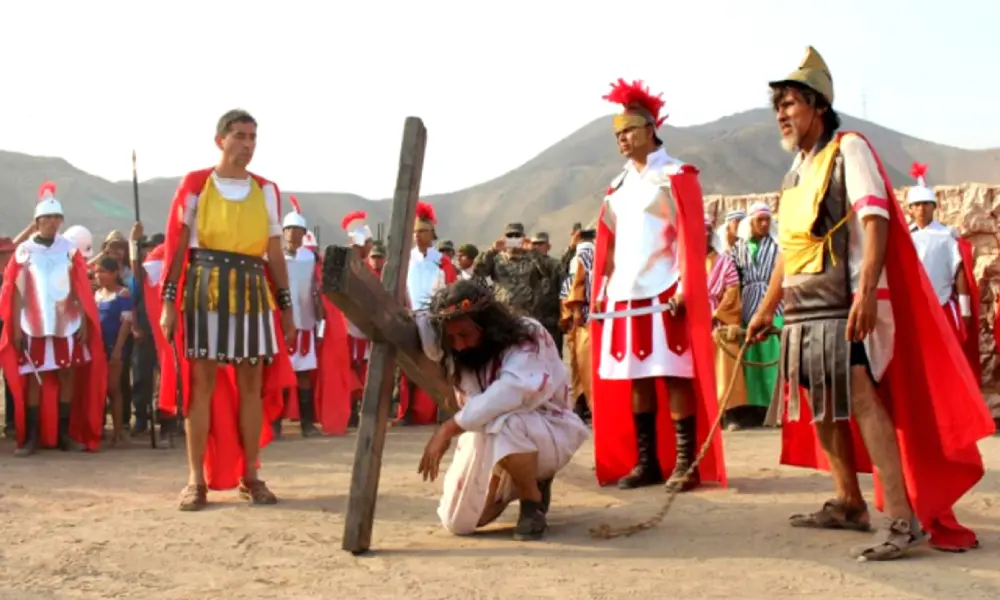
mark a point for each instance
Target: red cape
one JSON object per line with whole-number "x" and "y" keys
{"x": 154, "y": 307}
{"x": 333, "y": 380}
{"x": 970, "y": 345}
{"x": 425, "y": 410}
{"x": 224, "y": 452}
{"x": 615, "y": 451}
{"x": 929, "y": 390}
{"x": 91, "y": 381}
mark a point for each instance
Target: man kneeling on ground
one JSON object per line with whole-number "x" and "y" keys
{"x": 516, "y": 427}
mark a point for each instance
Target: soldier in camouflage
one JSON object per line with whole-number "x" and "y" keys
{"x": 525, "y": 280}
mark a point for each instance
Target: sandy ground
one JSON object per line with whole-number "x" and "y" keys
{"x": 105, "y": 526}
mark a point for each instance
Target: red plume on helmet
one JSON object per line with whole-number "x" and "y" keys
{"x": 425, "y": 212}
{"x": 918, "y": 171}
{"x": 46, "y": 189}
{"x": 636, "y": 94}
{"x": 351, "y": 217}
{"x": 295, "y": 204}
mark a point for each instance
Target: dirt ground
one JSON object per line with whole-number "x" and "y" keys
{"x": 105, "y": 526}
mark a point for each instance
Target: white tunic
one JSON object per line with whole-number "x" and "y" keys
{"x": 301, "y": 279}
{"x": 424, "y": 277}
{"x": 525, "y": 409}
{"x": 24, "y": 254}
{"x": 643, "y": 267}
{"x": 938, "y": 250}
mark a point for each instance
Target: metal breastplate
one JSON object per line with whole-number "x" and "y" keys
{"x": 45, "y": 287}
{"x": 825, "y": 295}
{"x": 301, "y": 278}
{"x": 642, "y": 267}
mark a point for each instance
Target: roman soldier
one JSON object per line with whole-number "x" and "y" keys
{"x": 429, "y": 271}
{"x": 52, "y": 339}
{"x": 948, "y": 262}
{"x": 359, "y": 346}
{"x": 877, "y": 382}
{"x": 227, "y": 310}
{"x": 654, "y": 373}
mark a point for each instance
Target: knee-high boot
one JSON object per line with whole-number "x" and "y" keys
{"x": 31, "y": 426}
{"x": 307, "y": 413}
{"x": 647, "y": 470}
{"x": 687, "y": 448}
{"x": 66, "y": 442}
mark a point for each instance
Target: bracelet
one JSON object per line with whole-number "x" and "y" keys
{"x": 169, "y": 292}
{"x": 965, "y": 305}
{"x": 284, "y": 299}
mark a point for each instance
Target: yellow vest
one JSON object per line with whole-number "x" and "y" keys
{"x": 241, "y": 227}
{"x": 798, "y": 210}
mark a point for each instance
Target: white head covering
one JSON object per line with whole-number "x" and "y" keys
{"x": 82, "y": 239}
{"x": 354, "y": 226}
{"x": 757, "y": 208}
{"x": 47, "y": 203}
{"x": 309, "y": 240}
{"x": 920, "y": 192}
{"x": 294, "y": 218}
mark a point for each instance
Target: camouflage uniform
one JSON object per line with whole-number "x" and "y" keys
{"x": 526, "y": 281}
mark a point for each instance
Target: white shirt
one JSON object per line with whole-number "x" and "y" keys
{"x": 938, "y": 250}
{"x": 424, "y": 277}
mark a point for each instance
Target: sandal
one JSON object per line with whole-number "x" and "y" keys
{"x": 835, "y": 514}
{"x": 892, "y": 541}
{"x": 256, "y": 492}
{"x": 194, "y": 497}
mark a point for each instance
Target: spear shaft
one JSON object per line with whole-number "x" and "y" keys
{"x": 135, "y": 188}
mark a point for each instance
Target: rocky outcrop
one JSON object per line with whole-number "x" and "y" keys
{"x": 970, "y": 209}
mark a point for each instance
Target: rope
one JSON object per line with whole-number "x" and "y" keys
{"x": 606, "y": 532}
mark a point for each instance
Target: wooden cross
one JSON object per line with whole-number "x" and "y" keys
{"x": 378, "y": 308}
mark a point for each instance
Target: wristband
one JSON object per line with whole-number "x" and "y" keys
{"x": 284, "y": 299}
{"x": 965, "y": 305}
{"x": 133, "y": 250}
{"x": 169, "y": 292}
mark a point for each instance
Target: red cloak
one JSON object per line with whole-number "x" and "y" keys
{"x": 91, "y": 379}
{"x": 615, "y": 450}
{"x": 928, "y": 388}
{"x": 970, "y": 345}
{"x": 333, "y": 380}
{"x": 224, "y": 452}
{"x": 425, "y": 410}
{"x": 154, "y": 307}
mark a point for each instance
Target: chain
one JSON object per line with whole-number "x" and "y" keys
{"x": 607, "y": 532}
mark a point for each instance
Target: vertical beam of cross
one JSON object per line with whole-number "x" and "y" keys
{"x": 381, "y": 365}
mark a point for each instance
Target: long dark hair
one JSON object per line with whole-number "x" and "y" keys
{"x": 501, "y": 328}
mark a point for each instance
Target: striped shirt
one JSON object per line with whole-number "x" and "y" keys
{"x": 584, "y": 258}
{"x": 755, "y": 267}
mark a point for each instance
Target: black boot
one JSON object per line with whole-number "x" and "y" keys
{"x": 687, "y": 446}
{"x": 545, "y": 486}
{"x": 31, "y": 425}
{"x": 276, "y": 428}
{"x": 168, "y": 428}
{"x": 66, "y": 442}
{"x": 355, "y": 413}
{"x": 307, "y": 413}
{"x": 531, "y": 523}
{"x": 646, "y": 471}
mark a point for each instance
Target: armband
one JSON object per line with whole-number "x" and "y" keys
{"x": 965, "y": 305}
{"x": 169, "y": 293}
{"x": 284, "y": 299}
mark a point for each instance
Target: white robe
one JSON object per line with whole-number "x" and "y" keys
{"x": 526, "y": 408}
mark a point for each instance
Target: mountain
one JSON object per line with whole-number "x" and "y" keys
{"x": 738, "y": 154}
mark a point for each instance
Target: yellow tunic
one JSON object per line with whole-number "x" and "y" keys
{"x": 240, "y": 227}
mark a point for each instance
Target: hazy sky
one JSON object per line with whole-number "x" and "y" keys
{"x": 88, "y": 81}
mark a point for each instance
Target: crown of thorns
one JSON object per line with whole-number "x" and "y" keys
{"x": 461, "y": 308}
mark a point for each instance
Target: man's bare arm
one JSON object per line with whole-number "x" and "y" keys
{"x": 24, "y": 235}
{"x": 276, "y": 265}
{"x": 961, "y": 281}
{"x": 873, "y": 257}
{"x": 775, "y": 289}
{"x": 174, "y": 274}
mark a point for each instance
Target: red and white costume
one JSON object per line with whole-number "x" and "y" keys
{"x": 943, "y": 252}
{"x": 653, "y": 222}
{"x": 359, "y": 346}
{"x": 56, "y": 301}
{"x": 303, "y": 284}
{"x": 429, "y": 272}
